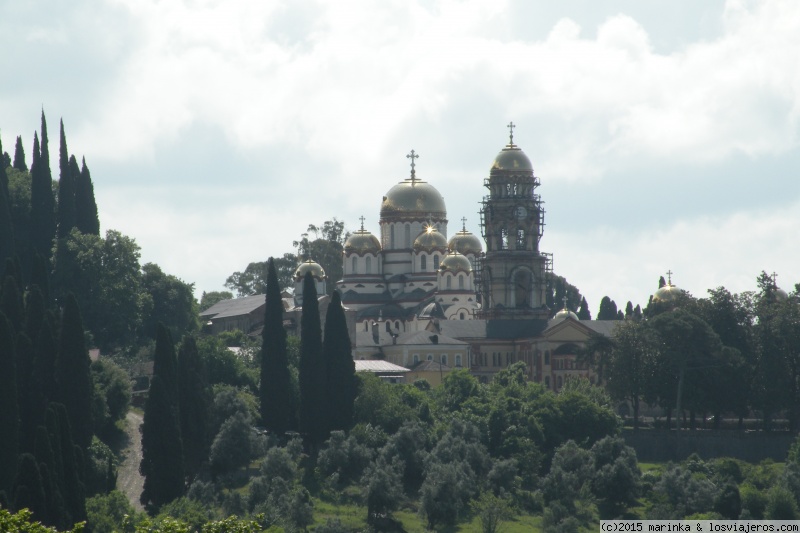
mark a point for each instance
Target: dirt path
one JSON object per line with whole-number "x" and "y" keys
{"x": 129, "y": 481}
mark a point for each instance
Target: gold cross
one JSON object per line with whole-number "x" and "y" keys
{"x": 412, "y": 156}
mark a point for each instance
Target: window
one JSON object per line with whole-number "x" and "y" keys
{"x": 461, "y": 315}
{"x": 458, "y": 360}
{"x": 408, "y": 235}
{"x": 443, "y": 359}
{"x": 430, "y": 357}
{"x": 504, "y": 239}
{"x": 547, "y": 358}
{"x": 522, "y": 288}
{"x": 355, "y": 264}
{"x": 436, "y": 262}
{"x": 460, "y": 281}
{"x": 415, "y": 358}
{"x": 447, "y": 279}
{"x": 391, "y": 236}
{"x": 369, "y": 265}
{"x": 397, "y": 325}
{"x": 560, "y": 383}
{"x": 520, "y": 239}
{"x": 388, "y": 327}
{"x": 423, "y": 263}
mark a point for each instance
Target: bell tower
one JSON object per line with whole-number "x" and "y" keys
{"x": 514, "y": 271}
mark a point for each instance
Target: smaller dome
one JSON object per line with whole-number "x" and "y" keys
{"x": 668, "y": 293}
{"x": 362, "y": 242}
{"x": 455, "y": 262}
{"x": 564, "y": 313}
{"x": 781, "y": 295}
{"x": 430, "y": 240}
{"x": 512, "y": 158}
{"x": 465, "y": 243}
{"x": 309, "y": 266}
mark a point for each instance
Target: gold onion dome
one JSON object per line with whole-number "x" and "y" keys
{"x": 413, "y": 199}
{"x": 668, "y": 293}
{"x": 309, "y": 266}
{"x": 465, "y": 242}
{"x": 511, "y": 158}
{"x": 362, "y": 242}
{"x": 455, "y": 262}
{"x": 430, "y": 240}
{"x": 564, "y": 313}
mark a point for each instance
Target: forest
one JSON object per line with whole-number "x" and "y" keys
{"x": 284, "y": 435}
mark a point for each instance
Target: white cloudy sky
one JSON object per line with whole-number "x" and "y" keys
{"x": 665, "y": 133}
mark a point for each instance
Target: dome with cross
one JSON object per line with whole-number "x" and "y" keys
{"x": 413, "y": 199}
{"x": 511, "y": 157}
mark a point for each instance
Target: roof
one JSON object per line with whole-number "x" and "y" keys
{"x": 603, "y": 327}
{"x": 426, "y": 338}
{"x": 235, "y": 307}
{"x": 463, "y": 329}
{"x": 430, "y": 366}
{"x": 378, "y": 366}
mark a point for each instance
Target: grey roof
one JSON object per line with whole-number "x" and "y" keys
{"x": 463, "y": 329}
{"x": 379, "y": 367}
{"x": 425, "y": 337}
{"x": 603, "y": 327}
{"x": 234, "y": 307}
{"x": 430, "y": 366}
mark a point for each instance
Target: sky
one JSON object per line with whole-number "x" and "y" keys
{"x": 666, "y": 134}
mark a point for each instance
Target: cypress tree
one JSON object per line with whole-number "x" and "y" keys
{"x": 45, "y": 456}
{"x": 341, "y": 384}
{"x": 39, "y": 276}
{"x": 74, "y": 379}
{"x": 42, "y": 201}
{"x": 66, "y": 190}
{"x": 9, "y": 408}
{"x": 583, "y": 311}
{"x": 85, "y": 205}
{"x": 19, "y": 155}
{"x": 73, "y": 488}
{"x": 11, "y": 303}
{"x": 608, "y": 309}
{"x": 3, "y": 175}
{"x": 6, "y": 228}
{"x": 45, "y": 354}
{"x": 28, "y": 488}
{"x": 312, "y": 367}
{"x": 629, "y": 310}
{"x": 165, "y": 362}
{"x": 57, "y": 470}
{"x": 29, "y": 413}
{"x": 193, "y": 406}
{"x": 277, "y": 405}
{"x": 661, "y": 282}
{"x": 162, "y": 464}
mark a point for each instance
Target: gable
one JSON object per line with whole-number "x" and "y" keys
{"x": 567, "y": 331}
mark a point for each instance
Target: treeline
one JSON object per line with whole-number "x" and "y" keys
{"x": 727, "y": 354}
{"x": 51, "y": 231}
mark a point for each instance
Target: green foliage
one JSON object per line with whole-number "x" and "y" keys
{"x": 381, "y": 404}
{"x": 781, "y": 505}
{"x": 106, "y": 512}
{"x": 223, "y": 365}
{"x": 86, "y": 219}
{"x": 313, "y": 378}
{"x": 9, "y": 408}
{"x": 342, "y": 459}
{"x": 341, "y": 384}
{"x": 608, "y": 309}
{"x": 445, "y": 493}
{"x": 113, "y": 388}
{"x": 171, "y": 302}
{"x": 194, "y": 405}
{"x": 492, "y": 511}
{"x": 23, "y": 522}
{"x": 232, "y": 446}
{"x": 253, "y": 280}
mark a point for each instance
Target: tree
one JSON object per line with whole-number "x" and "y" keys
{"x": 326, "y": 248}
{"x": 162, "y": 451}
{"x": 277, "y": 404}
{"x": 43, "y": 223}
{"x": 382, "y": 489}
{"x": 254, "y": 278}
{"x": 630, "y": 365}
{"x": 6, "y": 231}
{"x": 492, "y": 511}
{"x": 608, "y": 309}
{"x": 172, "y": 302}
{"x": 74, "y": 377}
{"x": 231, "y": 448}
{"x": 9, "y": 408}
{"x": 66, "y": 190}
{"x": 28, "y": 487}
{"x": 615, "y": 482}
{"x": 193, "y": 405}
{"x": 312, "y": 367}
{"x": 341, "y": 369}
{"x": 85, "y": 206}
{"x": 583, "y": 311}
{"x": 19, "y": 155}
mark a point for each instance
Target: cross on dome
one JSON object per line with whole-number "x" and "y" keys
{"x": 511, "y": 127}
{"x": 361, "y": 218}
{"x": 412, "y": 156}
{"x": 464, "y": 224}
{"x": 775, "y": 279}
{"x": 669, "y": 277}
{"x": 564, "y": 299}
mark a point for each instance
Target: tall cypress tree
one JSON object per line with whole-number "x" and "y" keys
{"x": 28, "y": 488}
{"x": 341, "y": 384}
{"x": 277, "y": 405}
{"x": 66, "y": 190}
{"x": 193, "y": 405}
{"x": 3, "y": 175}
{"x": 6, "y": 231}
{"x": 85, "y": 205}
{"x": 74, "y": 377}
{"x": 45, "y": 456}
{"x": 165, "y": 362}
{"x": 42, "y": 201}
{"x": 608, "y": 309}
{"x": 19, "y": 155}
{"x": 162, "y": 455}
{"x": 71, "y": 459}
{"x": 583, "y": 311}
{"x": 312, "y": 367}
{"x": 9, "y": 408}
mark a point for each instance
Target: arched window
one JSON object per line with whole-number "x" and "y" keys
{"x": 423, "y": 263}
{"x": 391, "y": 236}
{"x": 458, "y": 360}
{"x": 355, "y": 264}
{"x": 460, "y": 281}
{"x": 397, "y": 325}
{"x": 522, "y": 288}
{"x": 461, "y": 315}
{"x": 447, "y": 280}
{"x": 408, "y": 235}
{"x": 443, "y": 359}
{"x": 415, "y": 358}
{"x": 430, "y": 357}
{"x": 520, "y": 239}
{"x": 388, "y": 327}
{"x": 369, "y": 265}
{"x": 436, "y": 262}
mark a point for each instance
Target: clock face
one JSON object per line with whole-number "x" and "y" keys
{"x": 521, "y": 212}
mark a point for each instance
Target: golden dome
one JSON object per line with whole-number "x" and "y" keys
{"x": 430, "y": 240}
{"x": 512, "y": 158}
{"x": 413, "y": 199}
{"x": 668, "y": 293}
{"x": 564, "y": 313}
{"x": 465, "y": 243}
{"x": 455, "y": 262}
{"x": 362, "y": 242}
{"x": 309, "y": 266}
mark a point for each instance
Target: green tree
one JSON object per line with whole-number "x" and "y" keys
{"x": 583, "y": 311}
{"x": 608, "y": 309}
{"x": 277, "y": 403}
{"x": 193, "y": 405}
{"x": 28, "y": 487}
{"x": 9, "y": 408}
{"x": 66, "y": 190}
{"x": 19, "y": 155}
{"x": 382, "y": 490}
{"x": 492, "y": 511}
{"x": 231, "y": 448}
{"x": 74, "y": 379}
{"x": 162, "y": 451}
{"x": 172, "y": 302}
{"x": 86, "y": 217}
{"x": 615, "y": 482}
{"x": 312, "y": 368}
{"x": 341, "y": 369}
{"x": 630, "y": 367}
{"x": 325, "y": 248}
{"x": 6, "y": 231}
{"x": 43, "y": 222}
{"x": 253, "y": 280}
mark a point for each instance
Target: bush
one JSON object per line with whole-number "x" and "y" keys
{"x": 780, "y": 505}
{"x": 104, "y": 513}
{"x": 231, "y": 448}
{"x": 754, "y": 501}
